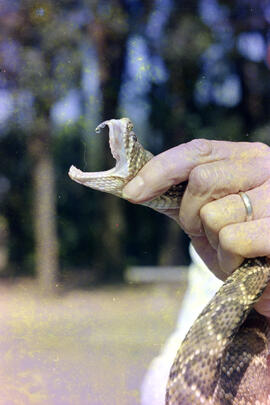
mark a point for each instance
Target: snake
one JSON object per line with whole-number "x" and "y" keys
{"x": 223, "y": 360}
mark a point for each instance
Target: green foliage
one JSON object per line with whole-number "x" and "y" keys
{"x": 17, "y": 202}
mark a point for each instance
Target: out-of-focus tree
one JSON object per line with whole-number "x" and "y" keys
{"x": 47, "y": 64}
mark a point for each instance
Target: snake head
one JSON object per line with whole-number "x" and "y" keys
{"x": 129, "y": 154}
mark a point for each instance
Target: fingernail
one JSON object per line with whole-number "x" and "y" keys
{"x": 133, "y": 189}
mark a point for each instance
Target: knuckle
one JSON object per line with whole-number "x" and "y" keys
{"x": 190, "y": 227}
{"x": 226, "y": 239}
{"x": 260, "y": 146}
{"x": 202, "y": 146}
{"x": 185, "y": 223}
{"x": 199, "y": 179}
{"x": 209, "y": 216}
{"x": 162, "y": 168}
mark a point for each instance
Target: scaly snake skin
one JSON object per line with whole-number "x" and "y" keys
{"x": 223, "y": 358}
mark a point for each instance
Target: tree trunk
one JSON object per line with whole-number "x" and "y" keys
{"x": 44, "y": 211}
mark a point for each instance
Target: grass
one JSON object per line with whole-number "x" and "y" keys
{"x": 85, "y": 347}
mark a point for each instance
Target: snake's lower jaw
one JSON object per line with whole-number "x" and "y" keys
{"x": 74, "y": 173}
{"x": 101, "y": 181}
{"x": 81, "y": 177}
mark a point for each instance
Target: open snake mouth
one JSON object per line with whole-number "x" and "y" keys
{"x": 118, "y": 131}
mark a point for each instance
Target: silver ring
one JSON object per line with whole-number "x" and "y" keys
{"x": 248, "y": 206}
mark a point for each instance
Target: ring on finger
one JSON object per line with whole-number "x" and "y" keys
{"x": 248, "y": 206}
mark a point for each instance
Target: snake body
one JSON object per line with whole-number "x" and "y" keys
{"x": 223, "y": 360}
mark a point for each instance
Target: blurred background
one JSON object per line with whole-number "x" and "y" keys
{"x": 179, "y": 70}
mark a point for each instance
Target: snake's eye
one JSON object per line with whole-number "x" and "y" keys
{"x": 130, "y": 126}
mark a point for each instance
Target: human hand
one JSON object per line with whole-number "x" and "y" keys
{"x": 212, "y": 212}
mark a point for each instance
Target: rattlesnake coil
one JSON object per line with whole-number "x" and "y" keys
{"x": 224, "y": 358}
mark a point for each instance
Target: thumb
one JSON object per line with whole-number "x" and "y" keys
{"x": 173, "y": 167}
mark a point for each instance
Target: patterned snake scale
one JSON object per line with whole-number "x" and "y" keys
{"x": 223, "y": 360}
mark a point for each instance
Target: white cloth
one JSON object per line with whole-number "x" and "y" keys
{"x": 202, "y": 285}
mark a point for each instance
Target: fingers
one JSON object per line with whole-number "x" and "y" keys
{"x": 244, "y": 240}
{"x": 217, "y": 214}
{"x": 227, "y": 237}
{"x": 174, "y": 165}
{"x": 228, "y": 233}
{"x": 231, "y": 209}
{"x": 236, "y": 242}
{"x": 215, "y": 180}
{"x": 168, "y": 168}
